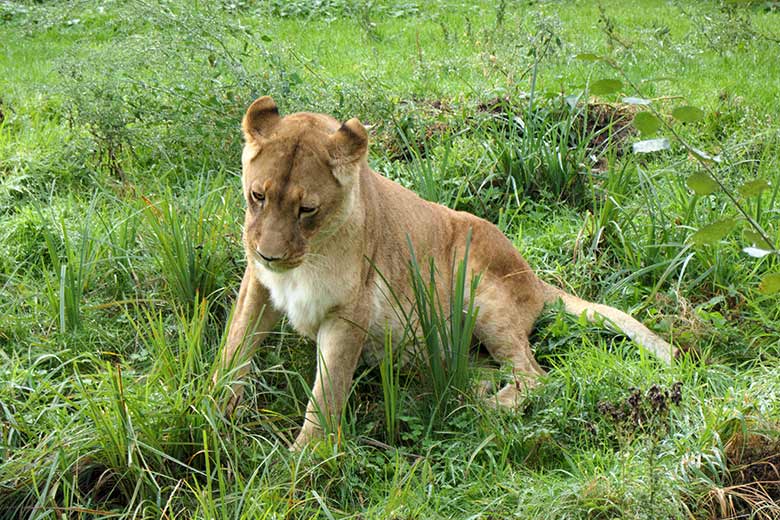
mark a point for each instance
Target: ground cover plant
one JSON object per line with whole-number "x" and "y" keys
{"x": 630, "y": 151}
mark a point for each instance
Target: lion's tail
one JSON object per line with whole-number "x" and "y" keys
{"x": 628, "y": 325}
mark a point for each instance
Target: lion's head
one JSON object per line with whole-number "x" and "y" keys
{"x": 299, "y": 177}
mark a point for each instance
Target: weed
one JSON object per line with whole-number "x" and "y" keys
{"x": 643, "y": 413}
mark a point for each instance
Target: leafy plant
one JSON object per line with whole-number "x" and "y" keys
{"x": 704, "y": 182}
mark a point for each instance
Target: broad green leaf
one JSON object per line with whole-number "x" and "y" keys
{"x": 647, "y": 123}
{"x": 757, "y": 252}
{"x": 702, "y": 184}
{"x": 605, "y": 86}
{"x": 752, "y": 237}
{"x": 688, "y": 114}
{"x": 587, "y": 56}
{"x": 711, "y": 233}
{"x": 770, "y": 284}
{"x": 636, "y": 101}
{"x": 753, "y": 188}
{"x": 651, "y": 145}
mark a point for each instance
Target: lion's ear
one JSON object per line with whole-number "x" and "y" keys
{"x": 349, "y": 143}
{"x": 260, "y": 119}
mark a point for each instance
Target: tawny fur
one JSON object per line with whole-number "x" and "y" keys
{"x": 320, "y": 225}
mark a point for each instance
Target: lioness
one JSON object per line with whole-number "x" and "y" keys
{"x": 324, "y": 236}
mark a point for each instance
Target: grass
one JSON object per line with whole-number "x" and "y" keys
{"x": 120, "y": 257}
{"x": 446, "y": 334}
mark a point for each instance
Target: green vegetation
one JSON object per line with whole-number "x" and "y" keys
{"x": 120, "y": 255}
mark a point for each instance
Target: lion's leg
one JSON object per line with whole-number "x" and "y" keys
{"x": 503, "y": 325}
{"x": 339, "y": 344}
{"x": 253, "y": 318}
{"x": 514, "y": 351}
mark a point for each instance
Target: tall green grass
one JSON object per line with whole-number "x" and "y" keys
{"x": 433, "y": 176}
{"x": 189, "y": 239}
{"x": 446, "y": 326}
{"x": 74, "y": 262}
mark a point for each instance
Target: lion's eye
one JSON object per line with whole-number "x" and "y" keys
{"x": 258, "y": 197}
{"x": 307, "y": 210}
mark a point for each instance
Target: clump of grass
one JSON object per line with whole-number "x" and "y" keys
{"x": 122, "y": 232}
{"x": 73, "y": 270}
{"x": 446, "y": 327}
{"x": 545, "y": 152}
{"x": 754, "y": 469}
{"x": 432, "y": 177}
{"x": 189, "y": 239}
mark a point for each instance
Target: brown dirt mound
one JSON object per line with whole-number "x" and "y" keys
{"x": 754, "y": 481}
{"x": 754, "y": 467}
